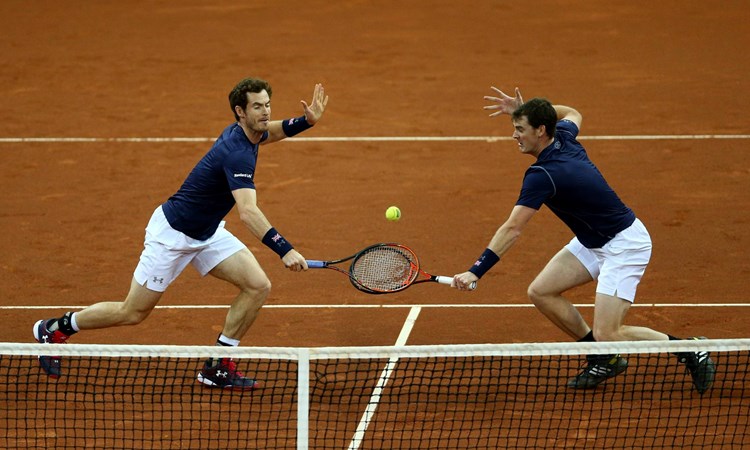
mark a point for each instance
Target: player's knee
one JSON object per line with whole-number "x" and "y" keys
{"x": 536, "y": 294}
{"x": 258, "y": 288}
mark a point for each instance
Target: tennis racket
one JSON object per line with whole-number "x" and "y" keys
{"x": 383, "y": 269}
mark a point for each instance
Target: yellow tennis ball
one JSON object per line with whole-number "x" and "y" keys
{"x": 393, "y": 213}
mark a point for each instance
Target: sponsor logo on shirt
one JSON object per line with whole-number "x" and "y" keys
{"x": 243, "y": 175}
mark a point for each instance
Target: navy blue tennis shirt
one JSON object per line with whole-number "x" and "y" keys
{"x": 205, "y": 198}
{"x": 564, "y": 178}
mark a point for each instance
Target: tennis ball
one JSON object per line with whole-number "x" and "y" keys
{"x": 393, "y": 213}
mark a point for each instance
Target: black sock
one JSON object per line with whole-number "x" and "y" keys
{"x": 597, "y": 358}
{"x": 63, "y": 324}
{"x": 588, "y": 338}
{"x": 66, "y": 325}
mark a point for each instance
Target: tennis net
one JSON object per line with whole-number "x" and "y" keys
{"x": 412, "y": 397}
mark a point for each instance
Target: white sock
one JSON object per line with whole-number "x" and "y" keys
{"x": 228, "y": 341}
{"x": 73, "y": 323}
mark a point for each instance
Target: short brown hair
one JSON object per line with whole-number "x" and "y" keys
{"x": 538, "y": 112}
{"x": 238, "y": 96}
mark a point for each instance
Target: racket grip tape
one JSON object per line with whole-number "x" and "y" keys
{"x": 315, "y": 264}
{"x": 449, "y": 281}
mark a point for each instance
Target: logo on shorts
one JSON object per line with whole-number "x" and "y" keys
{"x": 159, "y": 280}
{"x": 243, "y": 175}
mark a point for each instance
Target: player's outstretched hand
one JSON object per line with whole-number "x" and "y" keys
{"x": 504, "y": 104}
{"x": 315, "y": 109}
{"x": 294, "y": 261}
{"x": 462, "y": 281}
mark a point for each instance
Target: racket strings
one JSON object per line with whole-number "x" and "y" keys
{"x": 385, "y": 268}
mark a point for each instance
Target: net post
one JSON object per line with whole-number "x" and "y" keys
{"x": 303, "y": 398}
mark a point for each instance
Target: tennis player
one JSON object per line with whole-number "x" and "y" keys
{"x": 189, "y": 229}
{"x": 610, "y": 243}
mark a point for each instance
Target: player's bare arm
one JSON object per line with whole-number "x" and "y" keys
{"x": 501, "y": 242}
{"x": 511, "y": 230}
{"x": 568, "y": 113}
{"x": 503, "y": 103}
{"x": 313, "y": 112}
{"x": 258, "y": 224}
{"x": 250, "y": 215}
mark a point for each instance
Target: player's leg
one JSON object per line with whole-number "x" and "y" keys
{"x": 609, "y": 322}
{"x": 229, "y": 260}
{"x": 563, "y": 272}
{"x": 624, "y": 261}
{"x": 136, "y": 307}
{"x": 609, "y": 325}
{"x": 609, "y": 315}
{"x": 573, "y": 266}
{"x": 162, "y": 260}
{"x": 138, "y": 304}
{"x": 243, "y": 271}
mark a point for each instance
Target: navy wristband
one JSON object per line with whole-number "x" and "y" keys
{"x": 484, "y": 263}
{"x": 295, "y": 126}
{"x": 276, "y": 242}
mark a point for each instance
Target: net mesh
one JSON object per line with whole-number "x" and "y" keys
{"x": 447, "y": 397}
{"x": 385, "y": 268}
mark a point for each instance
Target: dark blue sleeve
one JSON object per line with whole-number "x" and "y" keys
{"x": 537, "y": 187}
{"x": 568, "y": 127}
{"x": 239, "y": 170}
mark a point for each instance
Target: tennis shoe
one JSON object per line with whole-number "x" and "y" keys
{"x": 701, "y": 368}
{"x": 599, "y": 369}
{"x": 50, "y": 364}
{"x": 225, "y": 375}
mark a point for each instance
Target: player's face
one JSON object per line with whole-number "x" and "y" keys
{"x": 257, "y": 114}
{"x": 530, "y": 140}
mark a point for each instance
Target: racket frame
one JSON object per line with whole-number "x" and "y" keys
{"x": 416, "y": 270}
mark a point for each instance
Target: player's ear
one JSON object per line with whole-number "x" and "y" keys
{"x": 239, "y": 111}
{"x": 541, "y": 131}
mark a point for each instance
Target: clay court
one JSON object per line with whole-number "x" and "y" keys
{"x": 105, "y": 107}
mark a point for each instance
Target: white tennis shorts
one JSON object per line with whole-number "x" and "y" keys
{"x": 619, "y": 265}
{"x": 167, "y": 252}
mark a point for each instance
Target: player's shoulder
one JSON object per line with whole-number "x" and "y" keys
{"x": 567, "y": 128}
{"x": 537, "y": 171}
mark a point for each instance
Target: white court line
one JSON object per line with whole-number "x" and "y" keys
{"x": 637, "y": 137}
{"x": 426, "y": 305}
{"x": 372, "y": 405}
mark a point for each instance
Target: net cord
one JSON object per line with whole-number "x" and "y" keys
{"x": 367, "y": 352}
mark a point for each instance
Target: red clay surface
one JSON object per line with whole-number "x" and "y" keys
{"x": 72, "y": 217}
{"x": 72, "y": 214}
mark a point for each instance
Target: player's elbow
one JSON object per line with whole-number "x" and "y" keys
{"x": 511, "y": 232}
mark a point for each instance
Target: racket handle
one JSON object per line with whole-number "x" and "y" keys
{"x": 449, "y": 281}
{"x": 444, "y": 280}
{"x": 315, "y": 264}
